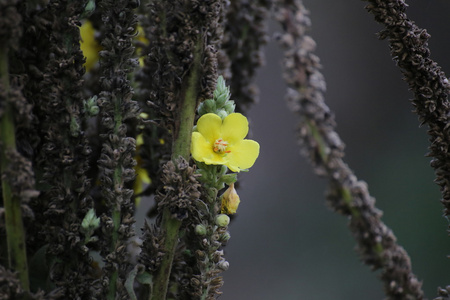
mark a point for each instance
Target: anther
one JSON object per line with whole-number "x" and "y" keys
{"x": 220, "y": 146}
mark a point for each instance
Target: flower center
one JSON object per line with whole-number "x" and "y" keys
{"x": 220, "y": 146}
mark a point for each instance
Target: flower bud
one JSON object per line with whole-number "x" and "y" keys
{"x": 222, "y": 220}
{"x": 94, "y": 110}
{"x": 221, "y": 99}
{"x": 200, "y": 229}
{"x": 90, "y": 106}
{"x": 210, "y": 106}
{"x": 230, "y": 200}
{"x": 225, "y": 237}
{"x": 202, "y": 109}
{"x": 90, "y": 221}
{"x": 229, "y": 107}
{"x": 222, "y": 114}
{"x": 223, "y": 265}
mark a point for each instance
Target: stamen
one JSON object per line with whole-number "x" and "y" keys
{"x": 220, "y": 146}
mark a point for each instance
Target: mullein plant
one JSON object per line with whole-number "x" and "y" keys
{"x": 139, "y": 109}
{"x": 218, "y": 145}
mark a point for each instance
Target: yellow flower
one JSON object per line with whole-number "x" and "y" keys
{"x": 141, "y": 174}
{"x": 230, "y": 201}
{"x": 140, "y": 36}
{"x": 89, "y": 45}
{"x": 218, "y": 142}
{"x": 91, "y": 48}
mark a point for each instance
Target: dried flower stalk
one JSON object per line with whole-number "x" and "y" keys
{"x": 181, "y": 69}
{"x": 245, "y": 32}
{"x": 409, "y": 49}
{"x": 320, "y": 142}
{"x": 116, "y": 160}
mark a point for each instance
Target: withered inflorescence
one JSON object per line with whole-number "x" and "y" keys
{"x": 116, "y": 160}
{"x": 321, "y": 144}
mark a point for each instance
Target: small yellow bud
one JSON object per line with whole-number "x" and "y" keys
{"x": 230, "y": 200}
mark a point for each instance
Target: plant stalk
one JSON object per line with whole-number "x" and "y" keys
{"x": 181, "y": 148}
{"x": 117, "y": 212}
{"x": 15, "y": 232}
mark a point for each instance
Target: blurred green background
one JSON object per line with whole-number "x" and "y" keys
{"x": 286, "y": 244}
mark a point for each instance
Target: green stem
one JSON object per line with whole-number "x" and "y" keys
{"x": 181, "y": 148}
{"x": 212, "y": 208}
{"x": 15, "y": 232}
{"x": 182, "y": 143}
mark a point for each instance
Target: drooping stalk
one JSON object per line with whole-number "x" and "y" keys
{"x": 320, "y": 142}
{"x": 15, "y": 232}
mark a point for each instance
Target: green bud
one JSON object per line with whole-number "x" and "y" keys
{"x": 200, "y": 229}
{"x": 229, "y": 107}
{"x": 88, "y": 9}
{"x": 210, "y": 106}
{"x": 222, "y": 114}
{"x": 225, "y": 237}
{"x": 202, "y": 109}
{"x": 90, "y": 106}
{"x": 222, "y": 220}
{"x": 90, "y": 222}
{"x": 221, "y": 86}
{"x": 221, "y": 99}
{"x": 94, "y": 110}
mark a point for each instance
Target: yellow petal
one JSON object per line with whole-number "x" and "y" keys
{"x": 139, "y": 140}
{"x": 89, "y": 45}
{"x": 141, "y": 35}
{"x": 209, "y": 126}
{"x": 142, "y": 175}
{"x": 234, "y": 128}
{"x": 216, "y": 159}
{"x": 243, "y": 155}
{"x": 201, "y": 149}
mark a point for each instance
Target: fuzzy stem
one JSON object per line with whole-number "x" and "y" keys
{"x": 212, "y": 208}
{"x": 15, "y": 232}
{"x": 181, "y": 148}
{"x": 117, "y": 213}
{"x": 182, "y": 143}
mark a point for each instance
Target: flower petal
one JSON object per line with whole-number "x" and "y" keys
{"x": 243, "y": 155}
{"x": 234, "y": 128}
{"x": 209, "y": 126}
{"x": 200, "y": 147}
{"x": 215, "y": 159}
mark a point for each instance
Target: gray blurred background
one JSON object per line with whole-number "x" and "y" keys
{"x": 285, "y": 243}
